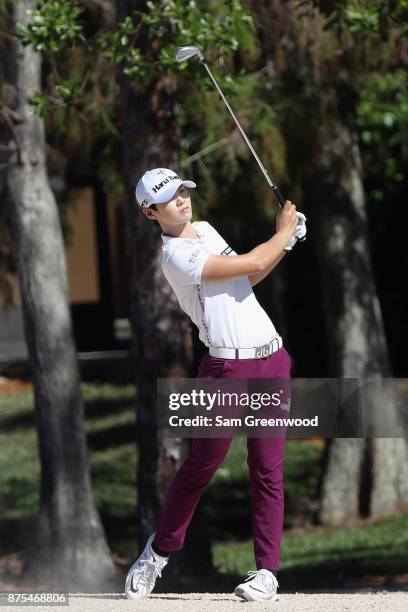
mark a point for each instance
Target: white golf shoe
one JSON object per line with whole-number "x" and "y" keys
{"x": 260, "y": 585}
{"x": 142, "y": 576}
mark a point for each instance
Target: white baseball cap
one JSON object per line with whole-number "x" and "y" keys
{"x": 158, "y": 186}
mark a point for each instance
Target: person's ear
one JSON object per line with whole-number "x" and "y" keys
{"x": 149, "y": 214}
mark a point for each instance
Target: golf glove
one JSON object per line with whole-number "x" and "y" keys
{"x": 299, "y": 233}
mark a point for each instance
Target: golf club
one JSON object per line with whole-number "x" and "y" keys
{"x": 186, "y": 53}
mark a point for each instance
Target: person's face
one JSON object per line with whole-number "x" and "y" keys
{"x": 175, "y": 212}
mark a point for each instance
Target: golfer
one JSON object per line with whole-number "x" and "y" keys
{"x": 214, "y": 288}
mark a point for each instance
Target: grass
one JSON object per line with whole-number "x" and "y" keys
{"x": 109, "y": 410}
{"x": 109, "y": 424}
{"x": 378, "y": 548}
{"x": 110, "y": 429}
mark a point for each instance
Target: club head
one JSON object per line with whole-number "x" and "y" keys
{"x": 186, "y": 53}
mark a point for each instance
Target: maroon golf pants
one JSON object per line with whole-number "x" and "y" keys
{"x": 265, "y": 462}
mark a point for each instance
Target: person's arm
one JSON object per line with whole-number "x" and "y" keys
{"x": 254, "y": 279}
{"x": 263, "y": 257}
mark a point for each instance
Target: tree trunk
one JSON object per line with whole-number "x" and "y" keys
{"x": 319, "y": 98}
{"x": 162, "y": 342}
{"x": 68, "y": 549}
{"x": 360, "y": 478}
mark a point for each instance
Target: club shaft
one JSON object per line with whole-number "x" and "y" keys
{"x": 254, "y": 153}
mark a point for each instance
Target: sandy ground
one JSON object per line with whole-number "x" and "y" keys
{"x": 362, "y": 599}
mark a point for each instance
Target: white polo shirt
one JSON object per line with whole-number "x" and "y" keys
{"x": 226, "y": 312}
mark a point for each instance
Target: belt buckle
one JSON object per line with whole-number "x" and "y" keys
{"x": 263, "y": 351}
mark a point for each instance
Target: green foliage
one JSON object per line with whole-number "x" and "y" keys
{"x": 52, "y": 26}
{"x": 68, "y": 93}
{"x": 382, "y": 116}
{"x": 161, "y": 29}
{"x": 362, "y": 18}
{"x": 80, "y": 101}
{"x": 355, "y": 17}
{"x": 115, "y": 45}
{"x": 371, "y": 79}
{"x": 143, "y": 46}
{"x": 365, "y": 17}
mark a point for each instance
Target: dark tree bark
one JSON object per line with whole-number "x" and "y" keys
{"x": 68, "y": 549}
{"x": 360, "y": 477}
{"x": 368, "y": 476}
{"x": 162, "y": 343}
{"x": 360, "y": 474}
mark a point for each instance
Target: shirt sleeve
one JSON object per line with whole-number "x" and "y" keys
{"x": 224, "y": 248}
{"x": 185, "y": 265}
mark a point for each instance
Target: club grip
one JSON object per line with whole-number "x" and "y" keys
{"x": 278, "y": 195}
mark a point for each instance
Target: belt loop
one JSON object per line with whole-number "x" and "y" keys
{"x": 236, "y": 353}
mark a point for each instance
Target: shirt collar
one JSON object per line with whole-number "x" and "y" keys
{"x": 176, "y": 241}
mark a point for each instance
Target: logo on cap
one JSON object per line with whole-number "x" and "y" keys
{"x": 157, "y": 188}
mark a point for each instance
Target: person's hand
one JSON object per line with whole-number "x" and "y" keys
{"x": 299, "y": 232}
{"x": 287, "y": 219}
